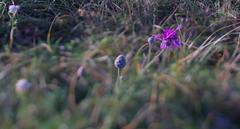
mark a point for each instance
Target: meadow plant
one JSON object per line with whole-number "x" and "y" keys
{"x": 151, "y": 41}
{"x": 72, "y": 71}
{"x": 119, "y": 63}
{"x": 12, "y": 11}
{"x": 170, "y": 39}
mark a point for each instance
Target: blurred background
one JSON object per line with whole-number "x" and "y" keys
{"x": 60, "y": 74}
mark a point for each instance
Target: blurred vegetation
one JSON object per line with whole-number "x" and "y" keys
{"x": 66, "y": 50}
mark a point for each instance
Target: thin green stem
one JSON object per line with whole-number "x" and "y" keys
{"x": 152, "y": 61}
{"x": 50, "y": 30}
{"x": 11, "y": 38}
{"x": 149, "y": 52}
{"x": 139, "y": 50}
{"x": 118, "y": 82}
{"x": 3, "y": 6}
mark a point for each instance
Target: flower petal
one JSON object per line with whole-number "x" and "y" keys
{"x": 156, "y": 37}
{"x": 178, "y": 43}
{"x": 163, "y": 44}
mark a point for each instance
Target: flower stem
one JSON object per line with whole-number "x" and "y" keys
{"x": 151, "y": 62}
{"x": 11, "y": 38}
{"x": 118, "y": 82}
{"x": 149, "y": 53}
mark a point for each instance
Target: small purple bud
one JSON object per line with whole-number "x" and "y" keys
{"x": 13, "y": 9}
{"x": 151, "y": 40}
{"x": 23, "y": 86}
{"x": 120, "y": 62}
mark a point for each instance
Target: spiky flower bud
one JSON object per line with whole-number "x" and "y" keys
{"x": 120, "y": 62}
{"x": 13, "y": 9}
{"x": 151, "y": 40}
{"x": 23, "y": 86}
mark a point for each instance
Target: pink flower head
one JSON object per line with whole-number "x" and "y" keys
{"x": 169, "y": 33}
{"x": 170, "y": 39}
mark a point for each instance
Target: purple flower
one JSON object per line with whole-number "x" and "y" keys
{"x": 169, "y": 39}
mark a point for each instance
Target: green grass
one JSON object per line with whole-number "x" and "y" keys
{"x": 195, "y": 87}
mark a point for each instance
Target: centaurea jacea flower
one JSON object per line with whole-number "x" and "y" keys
{"x": 169, "y": 39}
